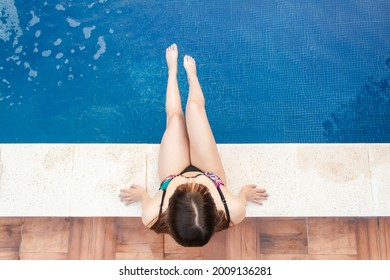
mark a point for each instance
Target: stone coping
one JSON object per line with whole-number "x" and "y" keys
{"x": 302, "y": 179}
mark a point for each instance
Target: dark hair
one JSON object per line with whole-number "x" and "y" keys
{"x": 191, "y": 217}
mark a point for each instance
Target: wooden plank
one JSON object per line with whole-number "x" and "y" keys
{"x": 43, "y": 235}
{"x": 332, "y": 236}
{"x": 249, "y": 239}
{"x": 306, "y": 257}
{"x": 103, "y": 238}
{"x": 282, "y": 236}
{"x": 367, "y": 239}
{"x": 139, "y": 256}
{"x": 234, "y": 243}
{"x": 185, "y": 256}
{"x": 173, "y": 250}
{"x": 374, "y": 241}
{"x": 132, "y": 236}
{"x": 129, "y": 222}
{"x": 127, "y": 236}
{"x": 10, "y": 232}
{"x": 384, "y": 226}
{"x": 144, "y": 247}
{"x": 10, "y": 235}
{"x": 11, "y": 221}
{"x": 216, "y": 248}
{"x": 43, "y": 256}
{"x": 9, "y": 253}
{"x": 110, "y": 239}
{"x": 97, "y": 238}
{"x": 79, "y": 239}
{"x": 362, "y": 239}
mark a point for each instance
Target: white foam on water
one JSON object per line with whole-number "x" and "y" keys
{"x": 13, "y": 58}
{"x": 35, "y": 19}
{"x": 102, "y": 49}
{"x": 72, "y": 22}
{"x": 91, "y": 5}
{"x": 33, "y": 73}
{"x": 19, "y": 49}
{"x": 9, "y": 23}
{"x": 46, "y": 53}
{"x": 38, "y": 33}
{"x": 60, "y": 7}
{"x": 87, "y": 31}
{"x": 59, "y": 55}
{"x": 57, "y": 42}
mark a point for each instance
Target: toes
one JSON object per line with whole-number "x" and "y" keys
{"x": 171, "y": 48}
{"x": 189, "y": 59}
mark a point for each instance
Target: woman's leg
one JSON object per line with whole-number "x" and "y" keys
{"x": 174, "y": 153}
{"x": 203, "y": 148}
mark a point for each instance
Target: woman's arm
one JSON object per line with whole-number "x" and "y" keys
{"x": 238, "y": 203}
{"x": 149, "y": 206}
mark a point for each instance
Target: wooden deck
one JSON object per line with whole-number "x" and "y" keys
{"x": 48, "y": 238}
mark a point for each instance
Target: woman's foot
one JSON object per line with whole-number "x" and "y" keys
{"x": 253, "y": 194}
{"x": 190, "y": 66}
{"x": 171, "y": 55}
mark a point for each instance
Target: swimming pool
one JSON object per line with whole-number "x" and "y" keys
{"x": 272, "y": 71}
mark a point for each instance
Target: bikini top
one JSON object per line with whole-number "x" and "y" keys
{"x": 213, "y": 177}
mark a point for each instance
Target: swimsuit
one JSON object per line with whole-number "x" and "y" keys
{"x": 213, "y": 177}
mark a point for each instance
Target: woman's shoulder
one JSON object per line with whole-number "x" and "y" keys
{"x": 236, "y": 206}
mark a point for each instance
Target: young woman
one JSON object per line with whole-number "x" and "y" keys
{"x": 193, "y": 202}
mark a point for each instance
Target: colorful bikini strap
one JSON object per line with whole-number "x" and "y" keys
{"x": 166, "y": 182}
{"x": 215, "y": 178}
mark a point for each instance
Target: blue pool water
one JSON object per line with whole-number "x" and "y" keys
{"x": 272, "y": 71}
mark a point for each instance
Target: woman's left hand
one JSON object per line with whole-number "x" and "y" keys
{"x": 253, "y": 194}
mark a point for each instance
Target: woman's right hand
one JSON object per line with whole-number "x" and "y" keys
{"x": 132, "y": 194}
